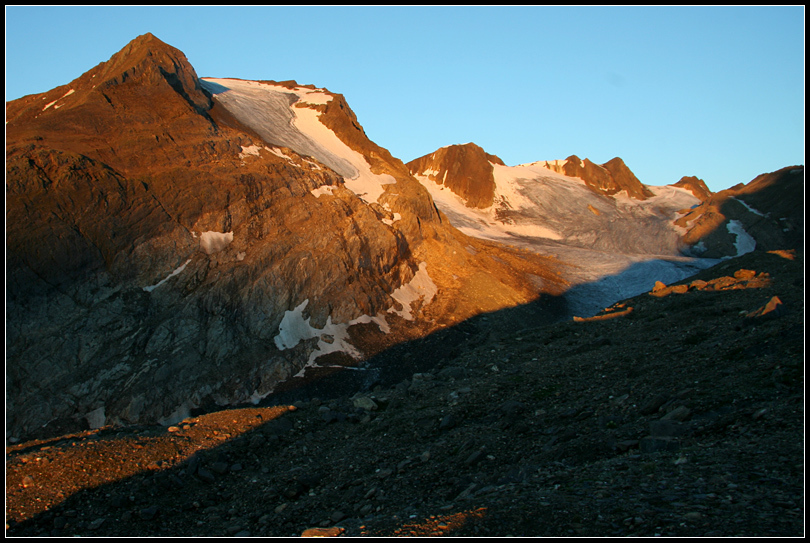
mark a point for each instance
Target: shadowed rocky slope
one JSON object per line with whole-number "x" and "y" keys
{"x": 675, "y": 413}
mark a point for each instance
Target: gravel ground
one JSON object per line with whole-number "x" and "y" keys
{"x": 675, "y": 413}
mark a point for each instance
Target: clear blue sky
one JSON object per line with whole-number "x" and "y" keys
{"x": 716, "y": 92}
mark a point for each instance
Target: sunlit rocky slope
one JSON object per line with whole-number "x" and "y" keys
{"x": 175, "y": 243}
{"x": 622, "y": 235}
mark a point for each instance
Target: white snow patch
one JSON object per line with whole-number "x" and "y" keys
{"x": 430, "y": 172}
{"x": 250, "y": 150}
{"x": 390, "y": 222}
{"x": 367, "y": 185}
{"x": 332, "y": 337}
{"x": 175, "y": 272}
{"x": 214, "y": 242}
{"x": 279, "y": 154}
{"x": 68, "y": 93}
{"x": 745, "y": 243}
{"x": 421, "y": 286}
{"x": 324, "y": 189}
{"x": 264, "y": 107}
{"x": 749, "y": 208}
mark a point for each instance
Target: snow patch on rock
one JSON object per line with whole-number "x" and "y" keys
{"x": 333, "y": 337}
{"x": 269, "y": 109}
{"x": 175, "y": 272}
{"x": 214, "y": 242}
{"x": 420, "y": 287}
{"x": 324, "y": 189}
{"x": 744, "y": 243}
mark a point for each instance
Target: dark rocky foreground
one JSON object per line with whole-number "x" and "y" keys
{"x": 681, "y": 417}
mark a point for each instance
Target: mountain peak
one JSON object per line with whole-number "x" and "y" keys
{"x": 148, "y": 56}
{"x": 607, "y": 179}
{"x": 465, "y": 169}
{"x": 695, "y": 185}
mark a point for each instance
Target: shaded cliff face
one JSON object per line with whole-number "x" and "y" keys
{"x": 464, "y": 169}
{"x": 164, "y": 254}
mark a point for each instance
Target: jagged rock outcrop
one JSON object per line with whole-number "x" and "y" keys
{"x": 164, "y": 255}
{"x": 467, "y": 170}
{"x": 464, "y": 169}
{"x": 608, "y": 179}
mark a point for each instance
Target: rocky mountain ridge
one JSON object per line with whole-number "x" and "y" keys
{"x": 467, "y": 171}
{"x": 234, "y": 235}
{"x": 153, "y": 233}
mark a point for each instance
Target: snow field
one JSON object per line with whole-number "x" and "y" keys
{"x": 263, "y": 107}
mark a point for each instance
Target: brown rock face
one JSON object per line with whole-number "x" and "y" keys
{"x": 608, "y": 179}
{"x": 151, "y": 258}
{"x": 624, "y": 179}
{"x": 695, "y": 185}
{"x": 464, "y": 169}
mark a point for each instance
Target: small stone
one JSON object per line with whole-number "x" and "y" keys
{"x": 654, "y": 404}
{"x": 512, "y": 407}
{"x": 447, "y": 423}
{"x": 680, "y": 413}
{"x": 744, "y": 275}
{"x": 219, "y": 467}
{"x": 759, "y": 413}
{"x": 205, "y": 475}
{"x": 96, "y": 524}
{"x": 475, "y": 457}
{"x": 334, "y": 531}
{"x": 364, "y": 402}
{"x": 150, "y": 512}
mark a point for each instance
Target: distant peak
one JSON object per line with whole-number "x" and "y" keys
{"x": 466, "y": 169}
{"x": 695, "y": 185}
